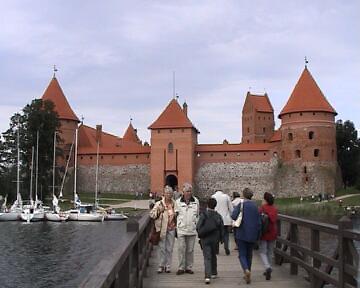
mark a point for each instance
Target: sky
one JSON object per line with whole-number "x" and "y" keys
{"x": 115, "y": 59}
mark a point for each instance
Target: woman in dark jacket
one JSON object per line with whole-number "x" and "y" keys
{"x": 248, "y": 232}
{"x": 267, "y": 240}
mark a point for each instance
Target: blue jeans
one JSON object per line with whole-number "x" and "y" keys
{"x": 245, "y": 253}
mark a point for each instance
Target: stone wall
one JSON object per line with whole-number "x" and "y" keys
{"x": 115, "y": 179}
{"x": 305, "y": 178}
{"x": 231, "y": 177}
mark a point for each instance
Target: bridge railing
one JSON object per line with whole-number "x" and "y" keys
{"x": 339, "y": 269}
{"x": 126, "y": 266}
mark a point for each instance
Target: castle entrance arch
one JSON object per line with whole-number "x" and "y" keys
{"x": 172, "y": 181}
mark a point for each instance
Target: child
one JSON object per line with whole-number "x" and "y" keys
{"x": 210, "y": 228}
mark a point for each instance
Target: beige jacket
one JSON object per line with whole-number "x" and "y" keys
{"x": 161, "y": 218}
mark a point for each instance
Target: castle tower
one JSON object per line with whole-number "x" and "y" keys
{"x": 68, "y": 119}
{"x": 257, "y": 119}
{"x": 173, "y": 140}
{"x": 309, "y": 137}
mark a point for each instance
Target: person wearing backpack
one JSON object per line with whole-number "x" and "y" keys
{"x": 248, "y": 232}
{"x": 269, "y": 232}
{"x": 210, "y": 228}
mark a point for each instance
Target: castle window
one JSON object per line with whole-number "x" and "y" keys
{"x": 170, "y": 130}
{"x": 170, "y": 147}
{"x": 90, "y": 157}
{"x": 80, "y": 157}
{"x": 264, "y": 154}
{"x": 248, "y": 141}
{"x": 269, "y": 118}
{"x": 311, "y": 135}
{"x": 225, "y": 154}
{"x": 316, "y": 152}
{"x": 290, "y": 136}
{"x": 248, "y": 129}
{"x": 112, "y": 157}
{"x": 305, "y": 169}
{"x": 125, "y": 156}
{"x": 314, "y": 113}
{"x": 137, "y": 156}
{"x": 297, "y": 153}
{"x": 264, "y": 140}
{"x": 148, "y": 156}
{"x": 211, "y": 154}
{"x": 102, "y": 157}
{"x": 300, "y": 113}
{"x": 264, "y": 118}
{"x": 264, "y": 129}
{"x": 306, "y": 179}
{"x": 158, "y": 131}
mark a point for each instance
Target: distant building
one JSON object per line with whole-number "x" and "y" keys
{"x": 297, "y": 159}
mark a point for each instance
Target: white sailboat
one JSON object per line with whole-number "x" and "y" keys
{"x": 15, "y": 211}
{"x": 82, "y": 212}
{"x": 34, "y": 211}
{"x": 56, "y": 215}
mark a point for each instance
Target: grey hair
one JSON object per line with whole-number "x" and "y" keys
{"x": 168, "y": 189}
{"x": 187, "y": 187}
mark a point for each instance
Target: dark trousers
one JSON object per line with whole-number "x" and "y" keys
{"x": 226, "y": 236}
{"x": 245, "y": 253}
{"x": 210, "y": 260}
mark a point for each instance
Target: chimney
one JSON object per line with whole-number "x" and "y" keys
{"x": 98, "y": 133}
{"x": 185, "y": 108}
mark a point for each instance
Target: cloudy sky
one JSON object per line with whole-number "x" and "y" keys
{"x": 116, "y": 59}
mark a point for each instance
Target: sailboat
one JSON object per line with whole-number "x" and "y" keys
{"x": 14, "y": 213}
{"x": 34, "y": 211}
{"x": 82, "y": 212}
{"x": 56, "y": 215}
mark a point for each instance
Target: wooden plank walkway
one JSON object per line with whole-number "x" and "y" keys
{"x": 229, "y": 273}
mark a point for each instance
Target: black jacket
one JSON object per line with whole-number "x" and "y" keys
{"x": 210, "y": 227}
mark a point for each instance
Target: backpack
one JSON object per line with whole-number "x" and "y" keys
{"x": 265, "y": 223}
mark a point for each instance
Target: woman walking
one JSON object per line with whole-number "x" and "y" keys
{"x": 267, "y": 240}
{"x": 164, "y": 214}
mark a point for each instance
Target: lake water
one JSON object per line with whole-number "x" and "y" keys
{"x": 47, "y": 254}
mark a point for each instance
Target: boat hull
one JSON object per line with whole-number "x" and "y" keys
{"x": 88, "y": 217}
{"x": 115, "y": 217}
{"x": 55, "y": 217}
{"x": 9, "y": 216}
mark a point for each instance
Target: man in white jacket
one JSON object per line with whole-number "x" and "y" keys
{"x": 187, "y": 211}
{"x": 224, "y": 207}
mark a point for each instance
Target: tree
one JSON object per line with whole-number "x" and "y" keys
{"x": 37, "y": 117}
{"x": 348, "y": 151}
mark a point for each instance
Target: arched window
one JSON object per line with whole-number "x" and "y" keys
{"x": 316, "y": 152}
{"x": 305, "y": 169}
{"x": 290, "y": 136}
{"x": 311, "y": 135}
{"x": 297, "y": 153}
{"x": 170, "y": 147}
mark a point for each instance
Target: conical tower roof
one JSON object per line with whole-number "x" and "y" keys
{"x": 306, "y": 97}
{"x": 172, "y": 117}
{"x": 131, "y": 135}
{"x": 55, "y": 94}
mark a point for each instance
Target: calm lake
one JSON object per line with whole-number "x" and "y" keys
{"x": 47, "y": 254}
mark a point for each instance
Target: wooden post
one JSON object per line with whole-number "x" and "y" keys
{"x": 315, "y": 246}
{"x": 344, "y": 257}
{"x": 293, "y": 252}
{"x": 278, "y": 244}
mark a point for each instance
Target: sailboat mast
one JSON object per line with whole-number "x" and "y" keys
{"x": 97, "y": 172}
{"x": 18, "y": 164}
{"x": 54, "y": 163}
{"x": 32, "y": 172}
{"x": 75, "y": 162}
{"x": 37, "y": 165}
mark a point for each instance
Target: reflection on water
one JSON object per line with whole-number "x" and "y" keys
{"x": 47, "y": 254}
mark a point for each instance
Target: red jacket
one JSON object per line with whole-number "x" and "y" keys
{"x": 272, "y": 211}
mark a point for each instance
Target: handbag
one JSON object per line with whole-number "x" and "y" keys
{"x": 155, "y": 235}
{"x": 238, "y": 220}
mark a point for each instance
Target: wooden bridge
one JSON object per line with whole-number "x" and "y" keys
{"x": 299, "y": 253}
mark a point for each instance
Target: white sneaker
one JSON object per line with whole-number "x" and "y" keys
{"x": 213, "y": 276}
{"x": 207, "y": 280}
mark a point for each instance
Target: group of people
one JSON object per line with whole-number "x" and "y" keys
{"x": 181, "y": 218}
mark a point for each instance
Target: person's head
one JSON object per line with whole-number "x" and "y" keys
{"x": 248, "y": 193}
{"x": 187, "y": 191}
{"x": 269, "y": 198}
{"x": 235, "y": 195}
{"x": 211, "y": 203}
{"x": 168, "y": 192}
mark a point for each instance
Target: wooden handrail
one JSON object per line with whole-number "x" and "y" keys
{"x": 319, "y": 266}
{"x": 126, "y": 266}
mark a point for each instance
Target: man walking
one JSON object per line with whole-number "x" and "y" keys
{"x": 224, "y": 207}
{"x": 187, "y": 210}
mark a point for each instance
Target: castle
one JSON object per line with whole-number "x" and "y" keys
{"x": 297, "y": 159}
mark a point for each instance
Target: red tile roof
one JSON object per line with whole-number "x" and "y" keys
{"x": 261, "y": 103}
{"x": 232, "y": 147}
{"x": 54, "y": 93}
{"x": 276, "y": 137}
{"x": 110, "y": 144}
{"x": 131, "y": 135}
{"x": 307, "y": 96}
{"x": 172, "y": 117}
